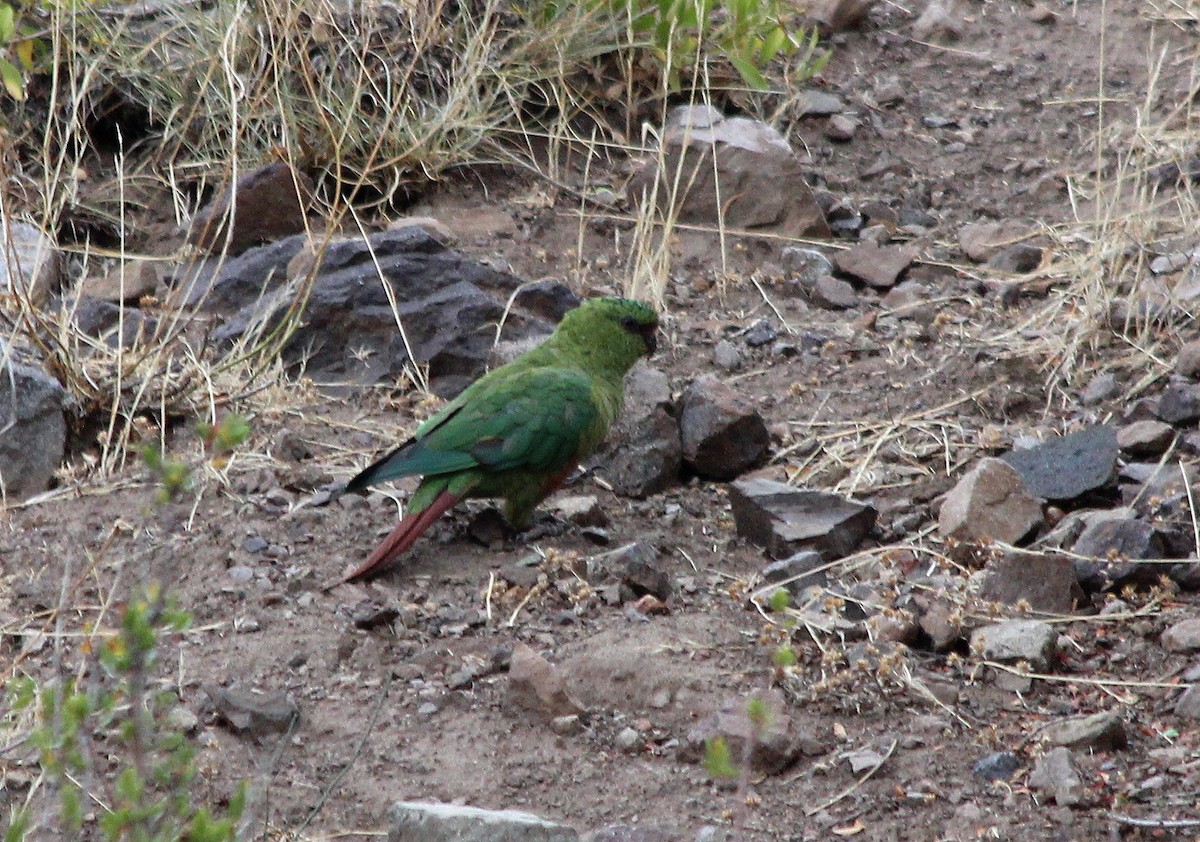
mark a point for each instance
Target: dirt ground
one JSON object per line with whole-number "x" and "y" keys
{"x": 984, "y": 127}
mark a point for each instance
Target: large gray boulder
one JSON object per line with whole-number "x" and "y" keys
{"x": 354, "y": 292}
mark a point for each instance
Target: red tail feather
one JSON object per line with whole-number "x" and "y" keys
{"x": 401, "y": 538}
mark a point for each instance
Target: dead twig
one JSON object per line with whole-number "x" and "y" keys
{"x": 825, "y": 805}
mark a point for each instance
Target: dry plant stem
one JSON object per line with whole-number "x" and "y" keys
{"x": 848, "y": 791}
{"x": 354, "y": 755}
{"x": 256, "y": 799}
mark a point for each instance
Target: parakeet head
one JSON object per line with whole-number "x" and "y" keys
{"x": 612, "y": 332}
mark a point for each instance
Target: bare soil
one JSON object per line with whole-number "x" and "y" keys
{"x": 868, "y": 402}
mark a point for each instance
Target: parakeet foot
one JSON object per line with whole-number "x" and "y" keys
{"x": 545, "y": 525}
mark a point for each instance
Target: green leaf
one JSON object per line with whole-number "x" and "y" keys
{"x": 749, "y": 73}
{"x": 784, "y": 657}
{"x": 14, "y": 82}
{"x": 757, "y": 713}
{"x": 718, "y": 760}
{"x": 18, "y": 826}
{"x": 780, "y": 600}
{"x": 8, "y": 23}
{"x": 772, "y": 44}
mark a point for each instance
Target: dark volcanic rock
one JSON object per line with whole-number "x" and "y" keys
{"x": 1179, "y": 402}
{"x": 643, "y": 453}
{"x": 722, "y": 434}
{"x": 1071, "y": 466}
{"x": 34, "y": 427}
{"x": 636, "y": 566}
{"x": 447, "y": 303}
{"x": 786, "y": 520}
{"x": 796, "y": 573}
{"x": 997, "y": 766}
{"x": 1112, "y": 548}
{"x": 1046, "y": 581}
{"x": 269, "y": 203}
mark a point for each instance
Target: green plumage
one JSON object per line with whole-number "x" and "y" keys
{"x": 519, "y": 430}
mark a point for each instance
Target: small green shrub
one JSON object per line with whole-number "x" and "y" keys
{"x": 13, "y": 46}
{"x": 749, "y": 34}
{"x": 148, "y": 797}
{"x": 175, "y": 475}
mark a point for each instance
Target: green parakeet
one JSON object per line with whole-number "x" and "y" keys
{"x": 519, "y": 431}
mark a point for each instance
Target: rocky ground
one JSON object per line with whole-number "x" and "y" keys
{"x": 988, "y": 548}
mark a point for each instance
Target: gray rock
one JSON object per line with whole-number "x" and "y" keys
{"x": 268, "y": 204}
{"x": 1098, "y": 732}
{"x": 817, "y": 103}
{"x": 1165, "y": 264}
{"x": 990, "y": 503}
{"x": 940, "y": 620}
{"x": 629, "y": 739}
{"x": 722, "y": 434}
{"x": 1179, "y": 402}
{"x": 643, "y": 454}
{"x": 1183, "y": 636}
{"x": 581, "y": 509}
{"x": 1055, "y": 774}
{"x": 797, "y": 573}
{"x": 1145, "y": 438}
{"x": 252, "y": 713}
{"x": 1069, "y": 467}
{"x": 1187, "y": 361}
{"x": 1186, "y": 575}
{"x": 840, "y": 128}
{"x": 1046, "y": 581}
{"x": 127, "y": 282}
{"x": 1100, "y": 388}
{"x": 755, "y": 181}
{"x": 1017, "y": 640}
{"x": 30, "y": 264}
{"x": 115, "y": 324}
{"x": 1017, "y": 259}
{"x": 34, "y": 427}
{"x": 762, "y": 332}
{"x": 981, "y": 241}
{"x": 635, "y": 566}
{"x": 632, "y": 833}
{"x": 549, "y": 300}
{"x": 1187, "y": 705}
{"x": 875, "y": 265}
{"x": 727, "y": 356}
{"x": 1111, "y": 549}
{"x": 415, "y": 821}
{"x": 833, "y": 293}
{"x": 432, "y": 226}
{"x": 786, "y": 520}
{"x": 805, "y": 263}
{"x": 997, "y": 766}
